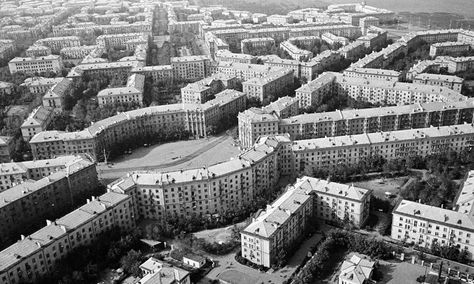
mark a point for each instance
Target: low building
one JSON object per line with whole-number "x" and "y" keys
{"x": 156, "y": 271}
{"x": 356, "y": 270}
{"x": 40, "y": 85}
{"x": 193, "y": 260}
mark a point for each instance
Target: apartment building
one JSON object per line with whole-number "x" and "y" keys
{"x": 353, "y": 50}
{"x": 285, "y": 220}
{"x": 6, "y": 150}
{"x": 124, "y": 40}
{"x": 279, "y": 19}
{"x": 328, "y": 152}
{"x": 333, "y": 39}
{"x": 36, "y": 255}
{"x": 202, "y": 90}
{"x": 244, "y": 72}
{"x": 54, "y": 97}
{"x": 295, "y": 52}
{"x": 190, "y": 67}
{"x": 367, "y": 22}
{"x": 77, "y": 52}
{"x": 58, "y": 43}
{"x": 423, "y": 225}
{"x": 376, "y": 91}
{"x": 311, "y": 93}
{"x": 36, "y": 122}
{"x": 277, "y": 227}
{"x": 40, "y": 85}
{"x": 120, "y": 69}
{"x": 186, "y": 26}
{"x": 255, "y": 123}
{"x": 103, "y": 134}
{"x": 250, "y": 43}
{"x": 267, "y": 88}
{"x": 38, "y": 51}
{"x": 217, "y": 189}
{"x": 226, "y": 55}
{"x": 27, "y": 204}
{"x": 284, "y": 107}
{"x": 14, "y": 173}
{"x": 449, "y": 48}
{"x": 7, "y": 49}
{"x": 132, "y": 92}
{"x": 158, "y": 72}
{"x": 373, "y": 74}
{"x": 35, "y": 64}
{"x": 452, "y": 82}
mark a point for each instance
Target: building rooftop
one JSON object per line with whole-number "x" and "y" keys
{"x": 435, "y": 214}
{"x": 37, "y": 117}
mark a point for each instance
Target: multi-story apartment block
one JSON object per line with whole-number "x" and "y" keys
{"x": 37, "y": 51}
{"x": 40, "y": 85}
{"x": 423, "y": 225}
{"x": 58, "y": 43}
{"x": 452, "y": 82}
{"x": 314, "y": 91}
{"x": 158, "y": 72}
{"x": 132, "y": 92}
{"x": 201, "y": 91}
{"x": 99, "y": 137}
{"x": 244, "y": 72}
{"x": 353, "y": 50}
{"x": 284, "y": 107}
{"x": 295, "y": 52}
{"x": 275, "y": 229}
{"x": 449, "y": 48}
{"x": 328, "y": 152}
{"x": 285, "y": 220}
{"x": 126, "y": 40}
{"x": 187, "y": 26}
{"x": 373, "y": 74}
{"x": 36, "y": 122}
{"x": 7, "y": 144}
{"x": 280, "y": 19}
{"x": 225, "y": 55}
{"x": 14, "y": 173}
{"x": 27, "y": 204}
{"x": 35, "y": 64}
{"x": 77, "y": 52}
{"x": 190, "y": 67}
{"x": 395, "y": 92}
{"x": 256, "y": 43}
{"x": 335, "y": 202}
{"x": 269, "y": 87}
{"x": 333, "y": 39}
{"x": 365, "y": 23}
{"x": 54, "y": 97}
{"x": 120, "y": 69}
{"x": 217, "y": 189}
{"x": 254, "y": 123}
{"x": 36, "y": 255}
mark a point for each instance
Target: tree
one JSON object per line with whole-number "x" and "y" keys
{"x": 131, "y": 262}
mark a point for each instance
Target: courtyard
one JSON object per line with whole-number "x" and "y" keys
{"x": 180, "y": 155}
